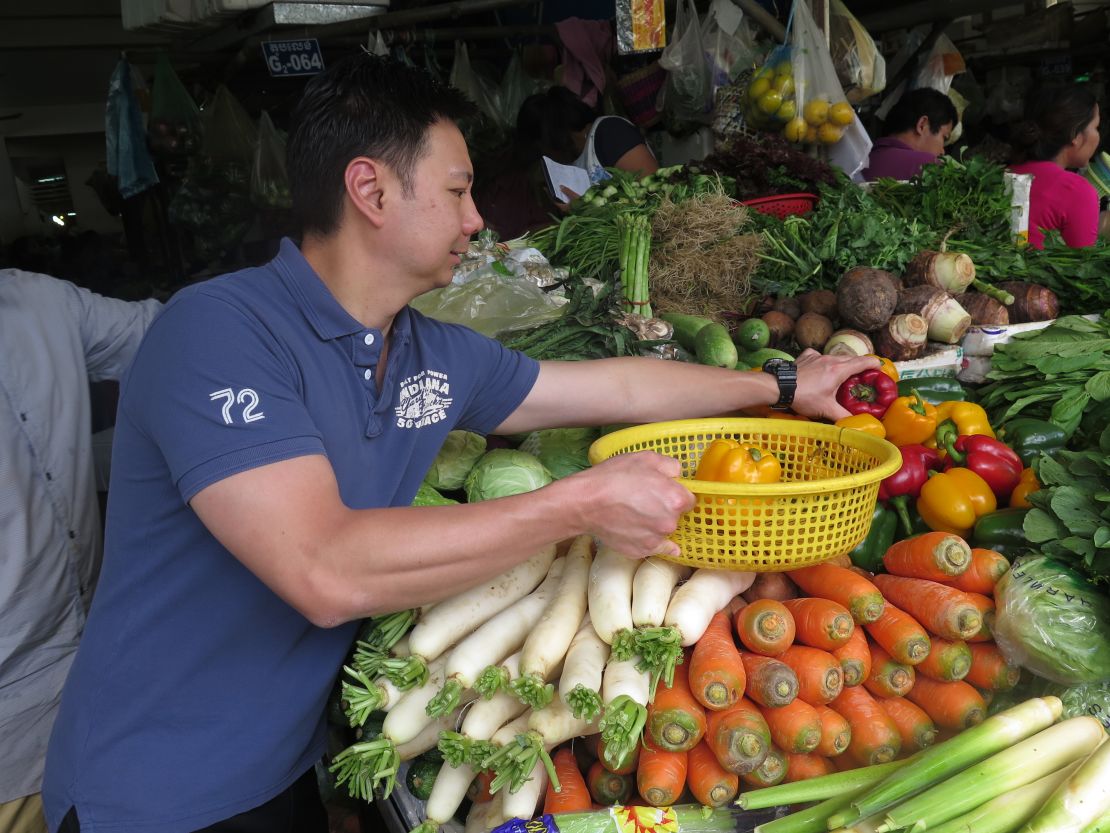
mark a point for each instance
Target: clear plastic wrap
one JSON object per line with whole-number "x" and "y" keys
{"x": 688, "y": 92}
{"x": 491, "y": 303}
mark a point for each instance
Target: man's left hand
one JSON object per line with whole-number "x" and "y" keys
{"x": 819, "y": 378}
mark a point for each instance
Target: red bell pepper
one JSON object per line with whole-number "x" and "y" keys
{"x": 906, "y": 483}
{"x": 992, "y": 460}
{"x": 870, "y": 392}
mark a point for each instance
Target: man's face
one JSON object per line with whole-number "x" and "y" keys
{"x": 432, "y": 225}
{"x": 934, "y": 143}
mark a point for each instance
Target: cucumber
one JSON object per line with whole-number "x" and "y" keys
{"x": 753, "y": 334}
{"x": 714, "y": 347}
{"x": 686, "y": 327}
{"x": 756, "y": 358}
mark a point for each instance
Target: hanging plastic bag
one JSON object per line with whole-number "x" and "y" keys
{"x": 688, "y": 93}
{"x": 375, "y": 44}
{"x": 127, "y": 156}
{"x": 729, "y": 43}
{"x": 860, "y": 66}
{"x": 269, "y": 180}
{"x": 174, "y": 124}
{"x": 820, "y": 104}
{"x": 472, "y": 85}
{"x": 515, "y": 87}
{"x": 229, "y": 133}
{"x": 943, "y": 64}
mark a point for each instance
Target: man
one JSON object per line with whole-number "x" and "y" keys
{"x": 917, "y": 129}
{"x": 54, "y": 339}
{"x": 267, "y": 448}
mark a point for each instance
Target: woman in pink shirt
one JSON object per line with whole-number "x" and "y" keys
{"x": 1060, "y": 131}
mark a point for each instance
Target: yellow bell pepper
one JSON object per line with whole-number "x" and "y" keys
{"x": 1019, "y": 497}
{"x": 954, "y": 500}
{"x": 866, "y": 423}
{"x": 968, "y": 417}
{"x": 730, "y": 461}
{"x": 910, "y": 420}
{"x": 886, "y": 366}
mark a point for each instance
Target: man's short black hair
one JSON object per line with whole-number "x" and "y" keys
{"x": 924, "y": 101}
{"x": 362, "y": 105}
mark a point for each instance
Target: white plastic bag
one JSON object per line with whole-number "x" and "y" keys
{"x": 729, "y": 43}
{"x": 688, "y": 93}
{"x": 860, "y": 66}
{"x": 472, "y": 85}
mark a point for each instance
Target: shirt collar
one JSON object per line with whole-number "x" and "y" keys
{"x": 326, "y": 315}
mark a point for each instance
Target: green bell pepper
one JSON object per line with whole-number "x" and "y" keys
{"x": 869, "y": 552}
{"x": 1001, "y": 531}
{"x": 933, "y": 389}
{"x": 917, "y": 523}
{"x": 1032, "y": 437}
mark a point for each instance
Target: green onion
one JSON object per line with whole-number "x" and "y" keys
{"x": 819, "y": 788}
{"x": 936, "y": 763}
{"x": 1020, "y": 764}
{"x": 815, "y": 819}
{"x": 1082, "y": 800}
{"x": 1009, "y": 810}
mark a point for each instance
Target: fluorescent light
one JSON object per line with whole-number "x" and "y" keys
{"x": 58, "y": 219}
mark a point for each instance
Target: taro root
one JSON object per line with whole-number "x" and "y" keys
{"x": 903, "y": 338}
{"x": 820, "y": 301}
{"x": 947, "y": 320}
{"x": 848, "y": 343}
{"x": 1032, "y": 302}
{"x": 866, "y": 298}
{"x": 789, "y": 306}
{"x": 984, "y": 310}
{"x": 812, "y": 331}
{"x": 951, "y": 271}
{"x": 781, "y": 326}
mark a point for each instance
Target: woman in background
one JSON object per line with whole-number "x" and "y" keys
{"x": 1059, "y": 132}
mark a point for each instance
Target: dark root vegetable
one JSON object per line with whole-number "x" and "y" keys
{"x": 820, "y": 301}
{"x": 1032, "y": 302}
{"x": 984, "y": 310}
{"x": 812, "y": 331}
{"x": 781, "y": 326}
{"x": 866, "y": 298}
{"x": 903, "y": 338}
{"x": 788, "y": 306}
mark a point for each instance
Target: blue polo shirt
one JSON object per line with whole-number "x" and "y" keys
{"x": 197, "y": 693}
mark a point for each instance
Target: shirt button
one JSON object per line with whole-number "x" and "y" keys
{"x": 368, "y": 339}
{"x": 72, "y": 534}
{"x": 368, "y": 374}
{"x": 23, "y": 417}
{"x": 49, "y": 476}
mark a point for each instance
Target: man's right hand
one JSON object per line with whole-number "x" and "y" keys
{"x": 632, "y": 502}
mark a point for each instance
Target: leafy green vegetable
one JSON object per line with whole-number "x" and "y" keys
{"x": 504, "y": 472}
{"x": 562, "y": 451}
{"x": 455, "y": 459}
{"x": 428, "y": 496}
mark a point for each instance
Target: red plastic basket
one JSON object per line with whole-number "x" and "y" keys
{"x": 783, "y": 205}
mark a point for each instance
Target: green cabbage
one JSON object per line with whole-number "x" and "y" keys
{"x": 427, "y": 496}
{"x": 1088, "y": 699}
{"x": 562, "y": 451}
{"x": 1051, "y": 620}
{"x": 456, "y": 458}
{"x": 503, "y": 472}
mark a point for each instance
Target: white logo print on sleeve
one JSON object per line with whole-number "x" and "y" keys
{"x": 246, "y": 397}
{"x": 423, "y": 400}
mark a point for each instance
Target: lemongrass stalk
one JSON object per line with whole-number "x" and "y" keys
{"x": 1080, "y": 801}
{"x": 814, "y": 819}
{"x": 936, "y": 763}
{"x": 687, "y": 817}
{"x": 1100, "y": 826}
{"x": 819, "y": 788}
{"x": 1021, "y": 764}
{"x": 1011, "y": 809}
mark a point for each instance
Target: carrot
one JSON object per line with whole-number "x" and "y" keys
{"x": 948, "y": 660}
{"x": 941, "y": 609}
{"x": 989, "y": 669}
{"x": 661, "y": 776}
{"x": 954, "y": 705}
{"x": 875, "y": 738}
{"x": 827, "y": 581}
{"x": 985, "y": 606}
{"x": 915, "y": 726}
{"x": 776, "y": 586}
{"x": 771, "y": 682}
{"x": 820, "y": 677}
{"x": 804, "y": 767}
{"x": 711, "y": 784}
{"x": 716, "y": 676}
{"x": 836, "y": 734}
{"x": 795, "y": 727}
{"x": 888, "y": 678}
{"x": 766, "y": 627}
{"x": 626, "y": 766}
{"x": 937, "y": 556}
{"x": 854, "y": 658}
{"x": 573, "y": 795}
{"x": 900, "y": 635}
{"x": 675, "y": 720}
{"x": 772, "y": 771}
{"x": 820, "y": 623}
{"x": 608, "y": 787}
{"x": 987, "y": 567}
{"x": 478, "y": 791}
{"x": 738, "y": 736}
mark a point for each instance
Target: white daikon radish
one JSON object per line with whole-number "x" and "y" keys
{"x": 361, "y": 695}
{"x": 659, "y": 647}
{"x": 428, "y": 738}
{"x": 485, "y": 815}
{"x": 471, "y": 743}
{"x": 695, "y": 602}
{"x": 610, "y": 599}
{"x": 522, "y": 804}
{"x": 456, "y": 617}
{"x": 494, "y": 640}
{"x": 625, "y": 690}
{"x": 580, "y": 682}
{"x": 549, "y": 640}
{"x": 447, "y": 794}
{"x": 547, "y": 728}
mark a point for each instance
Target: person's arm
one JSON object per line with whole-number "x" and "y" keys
{"x": 1081, "y": 220}
{"x": 619, "y": 144}
{"x": 638, "y": 160}
{"x": 111, "y": 329}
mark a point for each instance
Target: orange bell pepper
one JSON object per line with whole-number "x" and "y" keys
{"x": 954, "y": 500}
{"x": 910, "y": 420}
{"x": 1019, "y": 497}
{"x": 865, "y": 423}
{"x": 729, "y": 461}
{"x": 886, "y": 366}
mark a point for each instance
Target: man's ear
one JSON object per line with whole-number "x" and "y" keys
{"x": 364, "y": 180}
{"x": 923, "y": 126}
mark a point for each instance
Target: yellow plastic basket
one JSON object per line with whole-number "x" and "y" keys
{"x": 822, "y": 507}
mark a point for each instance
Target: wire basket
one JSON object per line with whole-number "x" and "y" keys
{"x": 821, "y": 509}
{"x": 783, "y": 205}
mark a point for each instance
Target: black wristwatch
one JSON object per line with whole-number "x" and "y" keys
{"x": 786, "y": 374}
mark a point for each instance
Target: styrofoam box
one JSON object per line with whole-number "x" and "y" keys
{"x": 941, "y": 360}
{"x": 974, "y": 370}
{"x": 980, "y": 340}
